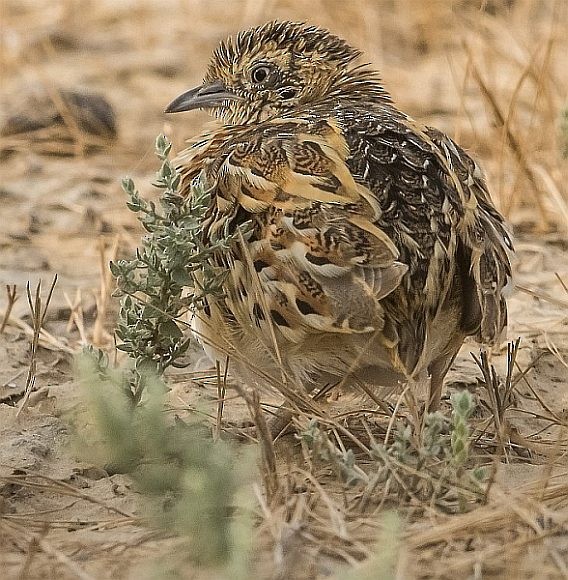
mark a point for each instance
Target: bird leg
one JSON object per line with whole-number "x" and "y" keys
{"x": 438, "y": 370}
{"x": 281, "y": 422}
{"x": 435, "y": 392}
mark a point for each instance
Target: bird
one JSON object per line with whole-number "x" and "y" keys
{"x": 373, "y": 248}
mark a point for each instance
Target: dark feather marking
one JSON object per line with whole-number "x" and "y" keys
{"x": 278, "y": 318}
{"x": 317, "y": 260}
{"x": 305, "y": 307}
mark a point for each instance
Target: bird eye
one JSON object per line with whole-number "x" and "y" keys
{"x": 260, "y": 73}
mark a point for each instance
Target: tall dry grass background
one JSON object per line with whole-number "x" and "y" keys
{"x": 490, "y": 73}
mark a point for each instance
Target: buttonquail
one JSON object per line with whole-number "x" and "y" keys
{"x": 375, "y": 248}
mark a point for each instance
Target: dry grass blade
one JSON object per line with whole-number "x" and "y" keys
{"x": 79, "y": 145}
{"x": 512, "y": 139}
{"x": 100, "y": 335}
{"x": 44, "y": 483}
{"x": 31, "y": 552}
{"x": 76, "y": 317}
{"x": 60, "y": 557}
{"x": 265, "y": 439}
{"x": 36, "y": 543}
{"x": 38, "y": 310}
{"x": 556, "y": 195}
{"x": 538, "y": 293}
{"x": 12, "y": 296}
{"x": 500, "y": 393}
{"x": 562, "y": 283}
{"x": 221, "y": 394}
{"x": 46, "y": 339}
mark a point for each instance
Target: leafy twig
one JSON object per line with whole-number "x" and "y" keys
{"x": 171, "y": 274}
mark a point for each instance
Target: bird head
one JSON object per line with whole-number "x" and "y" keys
{"x": 274, "y": 69}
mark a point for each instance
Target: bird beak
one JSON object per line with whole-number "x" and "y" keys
{"x": 206, "y": 96}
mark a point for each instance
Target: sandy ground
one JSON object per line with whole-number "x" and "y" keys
{"x": 61, "y": 516}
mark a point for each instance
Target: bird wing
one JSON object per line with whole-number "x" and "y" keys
{"x": 484, "y": 247}
{"x": 316, "y": 260}
{"x": 437, "y": 211}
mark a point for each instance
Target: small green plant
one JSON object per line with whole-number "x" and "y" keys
{"x": 343, "y": 461}
{"x": 171, "y": 273}
{"x": 432, "y": 464}
{"x": 462, "y": 409}
{"x": 192, "y": 485}
{"x": 436, "y": 462}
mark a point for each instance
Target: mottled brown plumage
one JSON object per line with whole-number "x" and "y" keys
{"x": 375, "y": 248}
